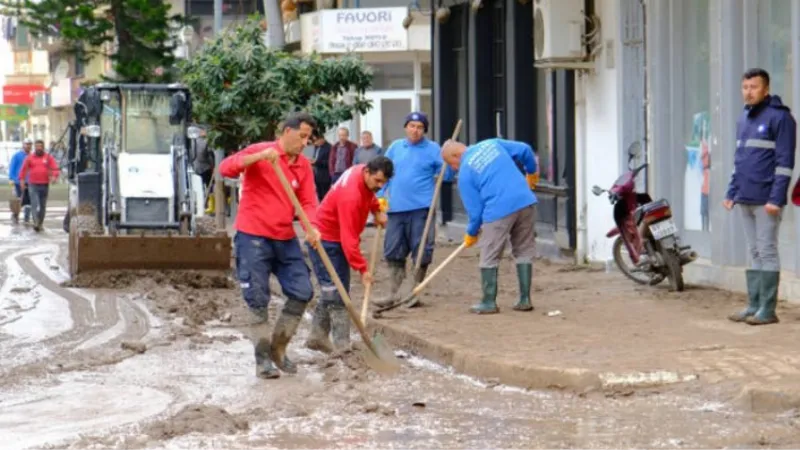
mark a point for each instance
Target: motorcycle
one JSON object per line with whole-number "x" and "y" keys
{"x": 647, "y": 231}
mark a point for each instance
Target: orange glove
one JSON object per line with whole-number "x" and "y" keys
{"x": 469, "y": 241}
{"x": 384, "y": 204}
{"x": 532, "y": 179}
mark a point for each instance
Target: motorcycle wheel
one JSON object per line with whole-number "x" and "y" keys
{"x": 630, "y": 271}
{"x": 674, "y": 270}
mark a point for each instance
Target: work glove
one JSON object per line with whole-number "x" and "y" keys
{"x": 532, "y": 179}
{"x": 384, "y": 204}
{"x": 469, "y": 241}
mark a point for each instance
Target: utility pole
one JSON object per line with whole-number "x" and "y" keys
{"x": 217, "y": 16}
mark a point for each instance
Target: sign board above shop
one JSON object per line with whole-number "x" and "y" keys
{"x": 361, "y": 30}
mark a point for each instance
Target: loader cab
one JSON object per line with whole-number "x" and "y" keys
{"x": 130, "y": 157}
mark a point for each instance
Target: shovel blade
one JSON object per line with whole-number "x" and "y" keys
{"x": 380, "y": 357}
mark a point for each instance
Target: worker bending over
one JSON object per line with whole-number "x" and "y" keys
{"x": 499, "y": 198}
{"x": 265, "y": 241}
{"x": 341, "y": 219}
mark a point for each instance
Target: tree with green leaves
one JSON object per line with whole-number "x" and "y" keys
{"x": 241, "y": 89}
{"x": 139, "y": 31}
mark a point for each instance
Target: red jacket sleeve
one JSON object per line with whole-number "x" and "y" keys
{"x": 232, "y": 166}
{"x": 26, "y": 165}
{"x": 54, "y": 169}
{"x": 307, "y": 194}
{"x": 351, "y": 241}
{"x": 374, "y": 206}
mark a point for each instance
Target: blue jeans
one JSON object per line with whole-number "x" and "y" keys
{"x": 404, "y": 234}
{"x": 334, "y": 251}
{"x": 257, "y": 257}
{"x": 38, "y": 194}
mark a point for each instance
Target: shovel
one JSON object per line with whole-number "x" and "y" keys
{"x": 380, "y": 357}
{"x": 432, "y": 213}
{"x": 373, "y": 258}
{"x": 421, "y": 286}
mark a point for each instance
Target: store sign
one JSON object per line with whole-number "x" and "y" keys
{"x": 363, "y": 30}
{"x": 13, "y": 113}
{"x": 20, "y": 94}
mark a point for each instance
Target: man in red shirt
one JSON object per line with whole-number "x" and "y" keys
{"x": 41, "y": 169}
{"x": 341, "y": 219}
{"x": 265, "y": 241}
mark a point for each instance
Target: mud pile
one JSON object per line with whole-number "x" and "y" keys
{"x": 204, "y": 419}
{"x": 122, "y": 279}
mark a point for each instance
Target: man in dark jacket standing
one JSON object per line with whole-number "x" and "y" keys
{"x": 765, "y": 146}
{"x": 322, "y": 177}
{"x": 342, "y": 153}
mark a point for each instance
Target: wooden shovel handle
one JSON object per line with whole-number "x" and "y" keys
{"x": 324, "y": 256}
{"x": 432, "y": 208}
{"x": 373, "y": 259}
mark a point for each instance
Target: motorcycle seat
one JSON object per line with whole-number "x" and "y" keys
{"x": 641, "y": 211}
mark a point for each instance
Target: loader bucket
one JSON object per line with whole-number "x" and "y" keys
{"x": 91, "y": 253}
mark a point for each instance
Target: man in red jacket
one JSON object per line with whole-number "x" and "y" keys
{"x": 265, "y": 241}
{"x": 341, "y": 219}
{"x": 41, "y": 169}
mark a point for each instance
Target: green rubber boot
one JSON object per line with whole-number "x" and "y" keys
{"x": 259, "y": 335}
{"x": 419, "y": 277}
{"x": 524, "y": 276}
{"x": 320, "y": 328}
{"x": 769, "y": 299}
{"x": 753, "y": 294}
{"x": 285, "y": 328}
{"x": 488, "y": 304}
{"x": 340, "y": 327}
{"x": 397, "y": 273}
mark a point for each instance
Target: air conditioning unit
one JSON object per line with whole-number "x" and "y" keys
{"x": 558, "y": 31}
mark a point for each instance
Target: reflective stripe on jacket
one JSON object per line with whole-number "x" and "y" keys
{"x": 764, "y": 161}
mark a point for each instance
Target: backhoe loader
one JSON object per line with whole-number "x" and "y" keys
{"x": 134, "y": 201}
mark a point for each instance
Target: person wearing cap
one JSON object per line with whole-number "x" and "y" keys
{"x": 22, "y": 199}
{"x": 407, "y": 198}
{"x": 499, "y": 199}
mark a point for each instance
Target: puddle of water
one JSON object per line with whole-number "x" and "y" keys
{"x": 72, "y": 408}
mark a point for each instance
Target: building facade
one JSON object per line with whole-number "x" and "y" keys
{"x": 484, "y": 75}
{"x": 395, "y": 41}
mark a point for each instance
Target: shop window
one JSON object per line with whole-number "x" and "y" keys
{"x": 426, "y": 75}
{"x": 426, "y": 106}
{"x": 393, "y": 76}
{"x": 775, "y": 45}
{"x": 696, "y": 117}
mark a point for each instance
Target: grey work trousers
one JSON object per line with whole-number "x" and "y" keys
{"x": 516, "y": 228}
{"x": 761, "y": 234}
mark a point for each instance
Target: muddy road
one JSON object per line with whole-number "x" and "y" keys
{"x": 159, "y": 362}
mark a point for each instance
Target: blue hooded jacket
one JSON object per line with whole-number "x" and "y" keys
{"x": 490, "y": 182}
{"x": 15, "y": 165}
{"x": 764, "y": 161}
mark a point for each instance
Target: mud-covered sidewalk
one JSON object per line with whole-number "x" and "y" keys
{"x": 591, "y": 329}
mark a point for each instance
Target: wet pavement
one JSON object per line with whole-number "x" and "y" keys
{"x": 83, "y": 368}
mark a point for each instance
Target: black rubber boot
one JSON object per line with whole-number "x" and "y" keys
{"x": 419, "y": 276}
{"x": 397, "y": 273}
{"x": 340, "y": 327}
{"x": 488, "y": 304}
{"x": 524, "y": 276}
{"x": 285, "y": 328}
{"x": 753, "y": 295}
{"x": 768, "y": 299}
{"x": 260, "y": 337}
{"x": 320, "y": 328}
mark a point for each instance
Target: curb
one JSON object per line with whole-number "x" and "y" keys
{"x": 471, "y": 363}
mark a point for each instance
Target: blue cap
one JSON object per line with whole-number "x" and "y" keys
{"x": 417, "y": 116}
